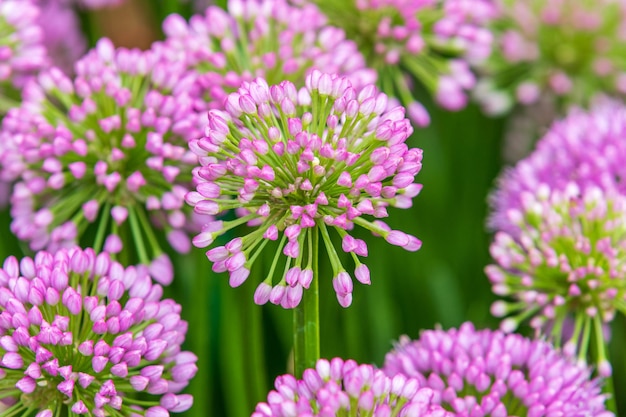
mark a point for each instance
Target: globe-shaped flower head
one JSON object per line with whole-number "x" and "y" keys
{"x": 431, "y": 41}
{"x": 297, "y": 163}
{"x": 259, "y": 38}
{"x": 560, "y": 217}
{"x": 568, "y": 49}
{"x": 82, "y": 335}
{"x": 338, "y": 387}
{"x": 489, "y": 373}
{"x": 108, "y": 149}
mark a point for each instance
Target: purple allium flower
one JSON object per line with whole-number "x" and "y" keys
{"x": 259, "y": 38}
{"x": 489, "y": 373}
{"x": 432, "y": 41}
{"x": 80, "y": 332}
{"x": 22, "y": 54}
{"x": 108, "y": 148}
{"x": 586, "y": 148}
{"x": 339, "y": 387}
{"x": 62, "y": 35}
{"x": 567, "y": 49}
{"x": 560, "y": 218}
{"x": 295, "y": 163}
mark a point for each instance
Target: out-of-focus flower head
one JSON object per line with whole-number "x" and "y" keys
{"x": 106, "y": 152}
{"x": 98, "y": 4}
{"x": 586, "y": 148}
{"x": 570, "y": 50}
{"x": 83, "y": 335}
{"x": 62, "y": 35}
{"x": 259, "y": 38}
{"x": 22, "y": 54}
{"x": 432, "y": 41}
{"x": 560, "y": 218}
{"x": 489, "y": 373}
{"x": 296, "y": 163}
{"x": 339, "y": 387}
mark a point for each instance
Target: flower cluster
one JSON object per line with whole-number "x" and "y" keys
{"x": 567, "y": 262}
{"x": 259, "y": 38}
{"x": 83, "y": 335}
{"x": 339, "y": 387}
{"x": 586, "y": 148}
{"x": 489, "y": 373}
{"x": 433, "y": 41}
{"x": 570, "y": 49}
{"x": 559, "y": 218}
{"x": 295, "y": 163}
{"x": 22, "y": 54}
{"x": 108, "y": 148}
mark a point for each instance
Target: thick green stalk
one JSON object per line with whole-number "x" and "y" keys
{"x": 307, "y": 318}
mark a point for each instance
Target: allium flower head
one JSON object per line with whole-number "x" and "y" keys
{"x": 568, "y": 49}
{"x": 298, "y": 162}
{"x": 560, "y": 221}
{"x": 489, "y": 373}
{"x": 82, "y": 335}
{"x": 567, "y": 262}
{"x": 338, "y": 387}
{"x": 22, "y": 54}
{"x": 259, "y": 38}
{"x": 433, "y": 41}
{"x": 108, "y": 148}
{"x": 586, "y": 148}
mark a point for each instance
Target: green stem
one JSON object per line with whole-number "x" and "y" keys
{"x": 609, "y": 389}
{"x": 601, "y": 354}
{"x": 306, "y": 317}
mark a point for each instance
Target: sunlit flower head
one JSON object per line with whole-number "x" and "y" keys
{"x": 259, "y": 38}
{"x": 104, "y": 156}
{"x": 82, "y": 335}
{"x": 339, "y": 387}
{"x": 489, "y": 373}
{"x": 297, "y": 164}
{"x": 570, "y": 50}
{"x": 431, "y": 41}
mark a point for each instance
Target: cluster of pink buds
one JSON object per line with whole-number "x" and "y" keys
{"x": 433, "y": 42}
{"x": 104, "y": 155}
{"x": 338, "y": 387}
{"x": 490, "y": 373}
{"x": 82, "y": 335}
{"x": 296, "y": 164}
{"x": 271, "y": 39}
